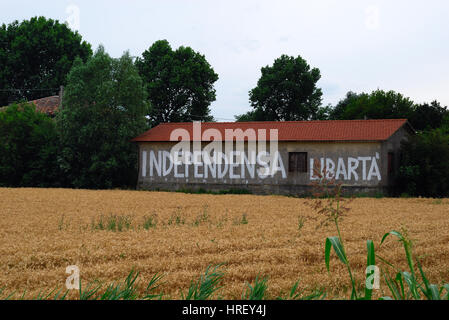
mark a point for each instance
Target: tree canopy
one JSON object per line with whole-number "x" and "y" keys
{"x": 37, "y": 55}
{"x": 180, "y": 83}
{"x": 337, "y": 112}
{"x": 377, "y": 105}
{"x": 103, "y": 108}
{"x": 429, "y": 116}
{"x": 286, "y": 91}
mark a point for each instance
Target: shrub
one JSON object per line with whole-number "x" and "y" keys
{"x": 28, "y": 148}
{"x": 424, "y": 168}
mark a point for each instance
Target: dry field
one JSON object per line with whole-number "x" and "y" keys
{"x": 42, "y": 231}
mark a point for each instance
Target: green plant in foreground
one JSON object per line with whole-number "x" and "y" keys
{"x": 206, "y": 286}
{"x": 407, "y": 285}
{"x": 90, "y": 292}
{"x": 330, "y": 204}
{"x": 127, "y": 290}
{"x": 152, "y": 286}
{"x": 256, "y": 291}
{"x": 295, "y": 295}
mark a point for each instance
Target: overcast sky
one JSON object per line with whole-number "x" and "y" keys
{"x": 358, "y": 45}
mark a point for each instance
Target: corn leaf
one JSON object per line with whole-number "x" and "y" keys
{"x": 334, "y": 242}
{"x": 371, "y": 261}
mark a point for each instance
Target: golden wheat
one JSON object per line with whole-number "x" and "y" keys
{"x": 42, "y": 231}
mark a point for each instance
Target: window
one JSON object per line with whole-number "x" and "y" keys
{"x": 297, "y": 162}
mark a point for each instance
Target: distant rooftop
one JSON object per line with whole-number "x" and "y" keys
{"x": 48, "y": 105}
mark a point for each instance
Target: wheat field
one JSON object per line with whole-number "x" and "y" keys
{"x": 42, "y": 231}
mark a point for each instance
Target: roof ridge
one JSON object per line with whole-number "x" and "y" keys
{"x": 278, "y": 122}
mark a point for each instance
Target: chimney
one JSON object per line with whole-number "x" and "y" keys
{"x": 61, "y": 92}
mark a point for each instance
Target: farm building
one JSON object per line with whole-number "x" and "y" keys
{"x": 271, "y": 157}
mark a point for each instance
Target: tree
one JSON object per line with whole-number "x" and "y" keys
{"x": 324, "y": 113}
{"x": 286, "y": 91}
{"x": 37, "y": 54}
{"x": 428, "y": 116}
{"x": 377, "y": 105}
{"x": 338, "y": 111}
{"x": 180, "y": 83}
{"x": 28, "y": 148}
{"x": 253, "y": 115}
{"x": 103, "y": 107}
{"x": 424, "y": 168}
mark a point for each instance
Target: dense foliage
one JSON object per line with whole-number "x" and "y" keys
{"x": 286, "y": 91}
{"x": 37, "y": 55}
{"x": 424, "y": 167}
{"x": 377, "y": 105}
{"x": 180, "y": 83}
{"x": 103, "y": 108}
{"x": 28, "y": 148}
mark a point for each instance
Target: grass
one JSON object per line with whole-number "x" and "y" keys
{"x": 205, "y": 287}
{"x": 411, "y": 285}
{"x": 122, "y": 223}
{"x": 35, "y": 251}
{"x": 296, "y": 294}
{"x": 301, "y": 221}
{"x": 241, "y": 221}
{"x": 257, "y": 290}
{"x": 204, "y": 217}
{"x": 149, "y": 222}
{"x": 115, "y": 223}
{"x": 405, "y": 286}
{"x": 176, "y": 219}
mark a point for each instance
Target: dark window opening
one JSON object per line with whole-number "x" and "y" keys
{"x": 297, "y": 162}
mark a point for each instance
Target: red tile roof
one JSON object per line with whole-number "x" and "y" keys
{"x": 333, "y": 130}
{"x": 48, "y": 105}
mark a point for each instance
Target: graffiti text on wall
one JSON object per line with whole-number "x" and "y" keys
{"x": 349, "y": 169}
{"x": 237, "y": 165}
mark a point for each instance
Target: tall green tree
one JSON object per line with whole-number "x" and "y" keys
{"x": 37, "y": 54}
{"x": 103, "y": 107}
{"x": 28, "y": 148}
{"x": 180, "y": 83}
{"x": 339, "y": 110}
{"x": 428, "y": 116}
{"x": 286, "y": 91}
{"x": 377, "y": 105}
